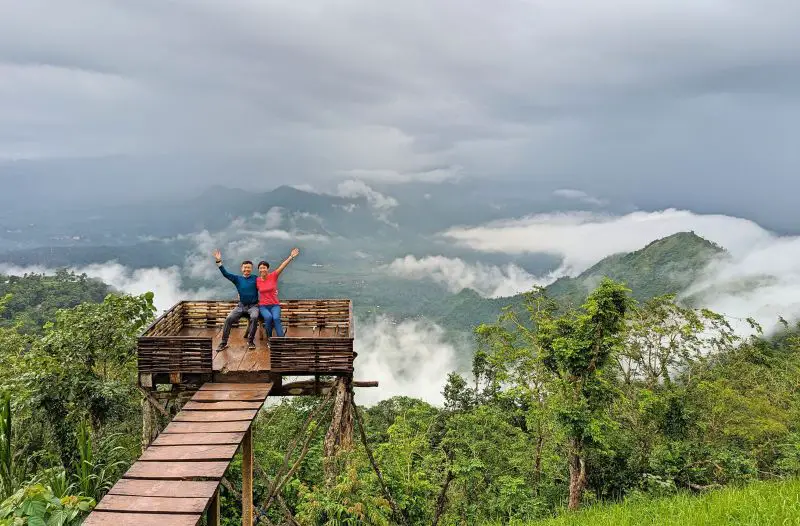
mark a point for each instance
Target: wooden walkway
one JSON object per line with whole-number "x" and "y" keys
{"x": 178, "y": 476}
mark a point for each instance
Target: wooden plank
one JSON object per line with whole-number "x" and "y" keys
{"x": 152, "y": 504}
{"x": 214, "y": 386}
{"x": 108, "y": 518}
{"x": 257, "y": 360}
{"x": 215, "y": 416}
{"x": 189, "y": 453}
{"x": 220, "y": 406}
{"x": 207, "y": 427}
{"x": 190, "y": 439}
{"x": 230, "y": 396}
{"x": 174, "y": 488}
{"x": 176, "y": 470}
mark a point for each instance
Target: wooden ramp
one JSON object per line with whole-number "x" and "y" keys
{"x": 178, "y": 476}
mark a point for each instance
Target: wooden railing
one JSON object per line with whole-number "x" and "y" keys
{"x": 319, "y": 339}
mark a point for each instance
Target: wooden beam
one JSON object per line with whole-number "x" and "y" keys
{"x": 247, "y": 479}
{"x": 213, "y": 510}
{"x": 312, "y": 388}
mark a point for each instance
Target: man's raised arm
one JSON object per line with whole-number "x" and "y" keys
{"x": 218, "y": 258}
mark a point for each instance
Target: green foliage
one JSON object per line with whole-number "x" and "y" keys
{"x": 13, "y": 470}
{"x": 37, "y": 505}
{"x": 94, "y": 474}
{"x": 84, "y": 367}
{"x": 34, "y": 299}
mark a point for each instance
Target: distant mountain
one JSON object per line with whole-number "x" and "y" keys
{"x": 665, "y": 266}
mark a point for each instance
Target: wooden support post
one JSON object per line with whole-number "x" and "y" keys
{"x": 213, "y": 510}
{"x": 247, "y": 479}
{"x": 147, "y": 423}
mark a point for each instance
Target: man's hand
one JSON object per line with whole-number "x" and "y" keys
{"x": 295, "y": 252}
{"x": 217, "y": 255}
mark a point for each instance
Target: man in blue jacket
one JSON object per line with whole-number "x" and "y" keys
{"x": 248, "y": 301}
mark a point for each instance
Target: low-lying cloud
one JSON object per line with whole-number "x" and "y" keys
{"x": 409, "y": 358}
{"x": 761, "y": 278}
{"x": 488, "y": 280}
{"x": 245, "y": 238}
{"x": 584, "y": 238}
{"x": 166, "y": 284}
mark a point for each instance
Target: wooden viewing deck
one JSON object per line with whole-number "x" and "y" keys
{"x": 177, "y": 478}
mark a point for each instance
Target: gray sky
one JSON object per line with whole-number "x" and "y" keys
{"x": 664, "y": 102}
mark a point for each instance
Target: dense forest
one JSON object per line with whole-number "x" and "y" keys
{"x": 621, "y": 397}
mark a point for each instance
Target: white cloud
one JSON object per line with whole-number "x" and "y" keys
{"x": 762, "y": 283}
{"x": 434, "y": 175}
{"x": 488, "y": 280}
{"x": 165, "y": 283}
{"x": 760, "y": 279}
{"x": 410, "y": 358}
{"x": 583, "y": 238}
{"x": 353, "y": 188}
{"x": 578, "y": 195}
{"x": 273, "y": 218}
{"x": 246, "y": 238}
{"x": 380, "y": 203}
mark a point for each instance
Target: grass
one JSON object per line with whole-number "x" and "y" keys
{"x": 759, "y": 504}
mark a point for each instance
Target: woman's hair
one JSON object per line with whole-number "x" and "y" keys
{"x": 262, "y": 262}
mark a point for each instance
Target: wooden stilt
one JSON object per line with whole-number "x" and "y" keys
{"x": 147, "y": 424}
{"x": 247, "y": 479}
{"x": 213, "y": 510}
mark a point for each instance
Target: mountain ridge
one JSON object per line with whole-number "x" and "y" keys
{"x": 668, "y": 265}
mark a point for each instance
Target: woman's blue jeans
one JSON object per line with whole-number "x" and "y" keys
{"x": 272, "y": 317}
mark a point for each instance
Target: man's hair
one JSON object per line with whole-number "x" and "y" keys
{"x": 247, "y": 262}
{"x": 262, "y": 262}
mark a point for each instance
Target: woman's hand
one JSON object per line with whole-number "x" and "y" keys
{"x": 295, "y": 252}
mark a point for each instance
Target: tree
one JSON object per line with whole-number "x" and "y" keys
{"x": 576, "y": 347}
{"x": 84, "y": 366}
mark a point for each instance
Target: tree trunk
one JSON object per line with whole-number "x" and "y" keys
{"x": 577, "y": 473}
{"x": 537, "y": 468}
{"x": 339, "y": 437}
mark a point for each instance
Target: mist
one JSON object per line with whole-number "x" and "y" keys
{"x": 490, "y": 281}
{"x": 410, "y": 358}
{"x": 759, "y": 278}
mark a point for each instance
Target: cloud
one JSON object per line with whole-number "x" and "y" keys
{"x": 584, "y": 238}
{"x": 579, "y": 195}
{"x": 761, "y": 278}
{"x": 245, "y": 238}
{"x": 165, "y": 283}
{"x": 381, "y": 204}
{"x": 410, "y": 358}
{"x": 763, "y": 283}
{"x": 653, "y": 102}
{"x": 488, "y": 280}
{"x": 354, "y": 188}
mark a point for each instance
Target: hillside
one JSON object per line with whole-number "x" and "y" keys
{"x": 759, "y": 503}
{"x": 665, "y": 266}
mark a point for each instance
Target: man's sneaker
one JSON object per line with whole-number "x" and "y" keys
{"x": 222, "y": 346}
{"x": 251, "y": 345}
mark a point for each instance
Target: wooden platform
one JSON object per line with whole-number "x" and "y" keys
{"x": 176, "y": 477}
{"x": 237, "y": 358}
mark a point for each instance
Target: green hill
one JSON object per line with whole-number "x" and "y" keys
{"x": 665, "y": 266}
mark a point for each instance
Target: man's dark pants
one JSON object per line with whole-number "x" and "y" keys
{"x": 236, "y": 314}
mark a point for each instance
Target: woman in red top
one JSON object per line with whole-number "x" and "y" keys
{"x": 268, "y": 304}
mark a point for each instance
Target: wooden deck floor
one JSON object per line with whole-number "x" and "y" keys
{"x": 176, "y": 477}
{"x": 237, "y": 358}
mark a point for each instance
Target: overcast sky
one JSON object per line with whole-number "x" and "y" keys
{"x": 662, "y": 102}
